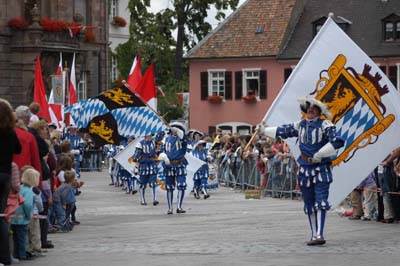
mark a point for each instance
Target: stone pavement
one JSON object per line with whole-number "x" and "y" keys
{"x": 225, "y": 229}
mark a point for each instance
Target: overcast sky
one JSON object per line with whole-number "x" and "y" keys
{"x": 157, "y": 5}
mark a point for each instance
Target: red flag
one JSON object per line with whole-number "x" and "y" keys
{"x": 147, "y": 88}
{"x": 59, "y": 68}
{"x": 39, "y": 92}
{"x": 72, "y": 84}
{"x": 135, "y": 75}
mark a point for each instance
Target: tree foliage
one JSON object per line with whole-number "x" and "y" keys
{"x": 151, "y": 35}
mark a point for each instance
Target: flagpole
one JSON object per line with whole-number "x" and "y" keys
{"x": 66, "y": 100}
{"x": 137, "y": 95}
{"x": 251, "y": 140}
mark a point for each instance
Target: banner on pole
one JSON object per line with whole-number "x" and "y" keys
{"x": 365, "y": 106}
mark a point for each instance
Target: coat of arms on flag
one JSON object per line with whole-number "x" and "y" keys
{"x": 114, "y": 115}
{"x": 354, "y": 100}
{"x": 364, "y": 105}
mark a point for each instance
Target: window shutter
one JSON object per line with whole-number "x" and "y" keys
{"x": 204, "y": 85}
{"x": 287, "y": 73}
{"x": 238, "y": 85}
{"x": 263, "y": 84}
{"x": 212, "y": 130}
{"x": 228, "y": 85}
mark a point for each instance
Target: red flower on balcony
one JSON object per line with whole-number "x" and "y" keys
{"x": 18, "y": 23}
{"x": 119, "y": 21}
{"x": 250, "y": 98}
{"x": 89, "y": 36}
{"x": 215, "y": 99}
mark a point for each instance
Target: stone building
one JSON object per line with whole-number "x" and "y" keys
{"x": 47, "y": 28}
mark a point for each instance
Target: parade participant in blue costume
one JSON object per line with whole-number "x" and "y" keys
{"x": 174, "y": 164}
{"x": 112, "y": 151}
{"x": 146, "y": 156}
{"x": 76, "y": 146}
{"x": 318, "y": 142}
{"x": 193, "y": 137}
{"x": 200, "y": 178}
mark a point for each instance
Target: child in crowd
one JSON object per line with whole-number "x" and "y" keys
{"x": 65, "y": 164}
{"x": 35, "y": 244}
{"x": 64, "y": 201}
{"x": 19, "y": 224}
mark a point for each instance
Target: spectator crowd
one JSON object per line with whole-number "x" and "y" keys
{"x": 40, "y": 177}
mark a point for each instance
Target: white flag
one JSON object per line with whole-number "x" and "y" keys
{"x": 365, "y": 106}
{"x": 123, "y": 158}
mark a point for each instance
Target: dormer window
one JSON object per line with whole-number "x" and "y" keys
{"x": 391, "y": 28}
{"x": 342, "y": 22}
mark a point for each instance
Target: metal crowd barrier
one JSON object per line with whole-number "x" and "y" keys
{"x": 279, "y": 181}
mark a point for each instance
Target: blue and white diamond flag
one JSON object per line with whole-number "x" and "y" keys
{"x": 365, "y": 105}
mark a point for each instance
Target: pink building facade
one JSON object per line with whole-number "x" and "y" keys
{"x": 235, "y": 114}
{"x": 256, "y": 48}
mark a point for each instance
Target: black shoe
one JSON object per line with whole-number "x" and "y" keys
{"x": 134, "y": 192}
{"x": 206, "y": 196}
{"x": 169, "y": 212}
{"x": 316, "y": 241}
{"x": 143, "y": 203}
{"x": 155, "y": 203}
{"x": 387, "y": 221}
{"x": 76, "y": 222}
{"x": 48, "y": 246}
{"x": 111, "y": 184}
{"x": 180, "y": 210}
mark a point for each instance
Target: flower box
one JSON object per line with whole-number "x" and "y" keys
{"x": 215, "y": 99}
{"x": 250, "y": 98}
{"x": 18, "y": 23}
{"x": 89, "y": 36}
{"x": 118, "y": 21}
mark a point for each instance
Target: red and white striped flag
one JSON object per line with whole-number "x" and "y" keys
{"x": 135, "y": 75}
{"x": 56, "y": 111}
{"x": 72, "y": 84}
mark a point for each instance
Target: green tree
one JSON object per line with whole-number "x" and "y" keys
{"x": 151, "y": 36}
{"x": 190, "y": 18}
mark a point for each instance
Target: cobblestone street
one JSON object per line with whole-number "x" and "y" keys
{"x": 225, "y": 229}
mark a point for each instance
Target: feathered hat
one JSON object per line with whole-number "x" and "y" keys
{"x": 308, "y": 101}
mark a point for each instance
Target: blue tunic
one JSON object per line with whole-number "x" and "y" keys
{"x": 314, "y": 178}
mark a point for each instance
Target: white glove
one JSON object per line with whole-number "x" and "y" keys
{"x": 326, "y": 151}
{"x": 260, "y": 128}
{"x": 75, "y": 152}
{"x": 164, "y": 157}
{"x": 270, "y": 132}
{"x": 178, "y": 132}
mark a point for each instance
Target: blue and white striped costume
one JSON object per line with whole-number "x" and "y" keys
{"x": 175, "y": 172}
{"x": 145, "y": 155}
{"x": 200, "y": 178}
{"x": 313, "y": 178}
{"x": 175, "y": 145}
{"x": 77, "y": 148}
{"x": 317, "y": 140}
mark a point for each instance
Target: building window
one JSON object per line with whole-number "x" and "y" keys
{"x": 394, "y": 76}
{"x": 80, "y": 8}
{"x": 114, "y": 8}
{"x": 114, "y": 71}
{"x": 217, "y": 83}
{"x": 251, "y": 82}
{"x": 391, "y": 28}
{"x": 397, "y": 36}
{"x": 82, "y": 87}
{"x": 260, "y": 29}
{"x": 286, "y": 73}
{"x": 388, "y": 31}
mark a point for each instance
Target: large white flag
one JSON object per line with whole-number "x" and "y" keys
{"x": 365, "y": 106}
{"x": 124, "y": 159}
